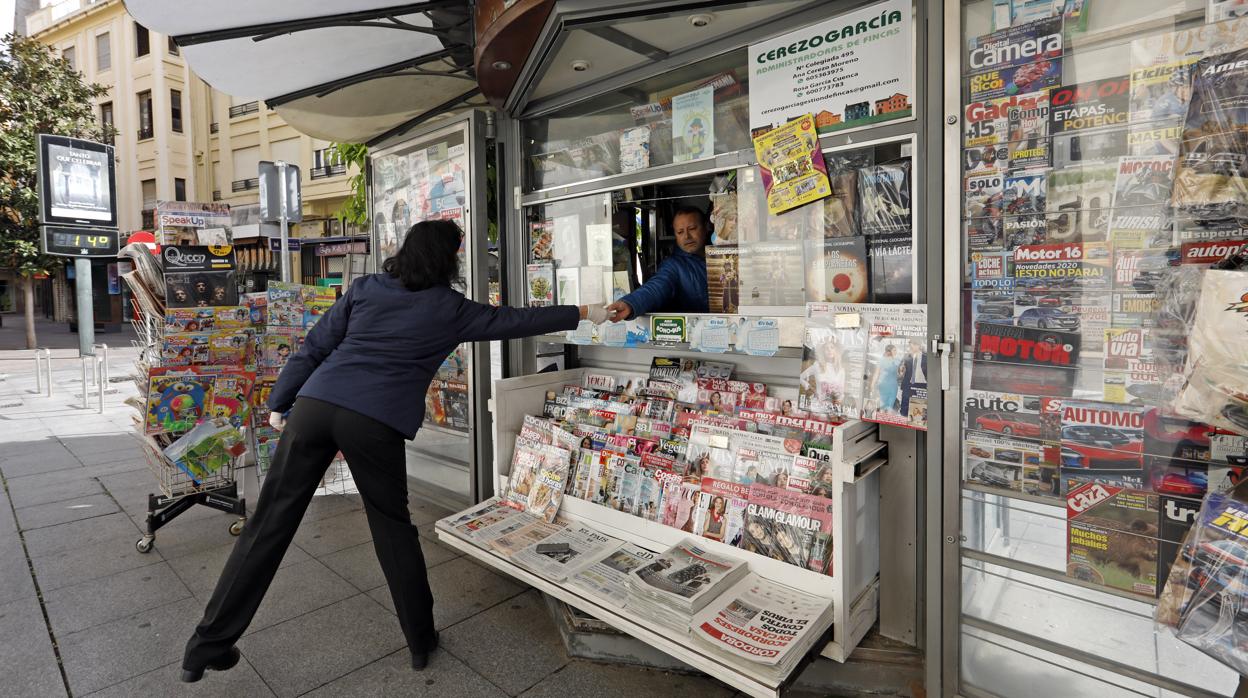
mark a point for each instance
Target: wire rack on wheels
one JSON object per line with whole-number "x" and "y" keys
{"x": 337, "y": 478}
{"x": 220, "y": 490}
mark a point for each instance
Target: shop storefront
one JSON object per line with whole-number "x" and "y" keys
{"x": 1000, "y": 176}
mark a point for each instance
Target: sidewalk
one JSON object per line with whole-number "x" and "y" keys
{"x": 82, "y": 612}
{"x": 54, "y": 335}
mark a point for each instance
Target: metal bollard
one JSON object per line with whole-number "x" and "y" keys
{"x": 38, "y": 371}
{"x": 48, "y": 364}
{"x": 85, "y": 390}
{"x": 102, "y": 351}
{"x": 101, "y": 371}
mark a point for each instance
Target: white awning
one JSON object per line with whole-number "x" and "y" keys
{"x": 340, "y": 70}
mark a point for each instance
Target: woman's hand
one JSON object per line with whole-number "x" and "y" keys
{"x": 596, "y": 314}
{"x": 277, "y": 421}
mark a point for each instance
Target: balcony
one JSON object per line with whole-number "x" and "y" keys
{"x": 328, "y": 171}
{"x": 245, "y": 184}
{"x": 216, "y": 194}
{"x": 212, "y": 128}
{"x": 145, "y": 133}
{"x": 244, "y": 109}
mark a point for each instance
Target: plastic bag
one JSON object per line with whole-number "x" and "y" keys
{"x": 1207, "y": 590}
{"x": 1216, "y": 371}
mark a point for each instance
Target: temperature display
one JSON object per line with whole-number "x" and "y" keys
{"x": 72, "y": 242}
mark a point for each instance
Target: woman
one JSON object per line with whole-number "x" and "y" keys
{"x": 714, "y": 528}
{"x": 886, "y": 380}
{"x": 355, "y": 386}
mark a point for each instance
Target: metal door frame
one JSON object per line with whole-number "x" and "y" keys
{"x": 476, "y": 275}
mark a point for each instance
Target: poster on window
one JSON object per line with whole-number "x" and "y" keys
{"x": 854, "y": 70}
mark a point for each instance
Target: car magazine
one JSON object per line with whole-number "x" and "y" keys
{"x": 1141, "y": 193}
{"x": 1025, "y": 360}
{"x": 1211, "y": 178}
{"x": 1079, "y": 203}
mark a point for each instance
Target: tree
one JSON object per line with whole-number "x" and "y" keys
{"x": 39, "y": 93}
{"x": 355, "y": 208}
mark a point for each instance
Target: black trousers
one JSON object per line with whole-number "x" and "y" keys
{"x": 315, "y": 432}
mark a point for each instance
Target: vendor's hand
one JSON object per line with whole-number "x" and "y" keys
{"x": 277, "y": 421}
{"x": 619, "y": 311}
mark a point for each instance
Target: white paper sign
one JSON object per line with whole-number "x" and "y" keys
{"x": 567, "y": 247}
{"x": 598, "y": 242}
{"x": 854, "y": 70}
{"x": 591, "y": 290}
{"x": 759, "y": 337}
{"x": 710, "y": 334}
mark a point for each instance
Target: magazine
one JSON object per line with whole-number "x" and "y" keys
{"x": 608, "y": 577}
{"x": 541, "y": 284}
{"x": 790, "y": 526}
{"x": 1025, "y": 360}
{"x": 723, "y": 279}
{"x": 686, "y": 576}
{"x": 1079, "y": 200}
{"x": 895, "y": 391}
{"x": 1211, "y": 177}
{"x": 634, "y": 149}
{"x": 546, "y": 494}
{"x": 762, "y": 621}
{"x": 771, "y": 275}
{"x": 720, "y": 512}
{"x": 833, "y": 361}
{"x": 1028, "y": 124}
{"x": 1100, "y": 104}
{"x": 206, "y": 319}
{"x": 1141, "y": 194}
{"x": 840, "y": 209}
{"x": 892, "y": 267}
{"x": 176, "y": 399}
{"x": 585, "y": 546}
{"x": 884, "y": 198}
{"x": 1018, "y": 59}
{"x": 836, "y": 270}
{"x": 983, "y": 197}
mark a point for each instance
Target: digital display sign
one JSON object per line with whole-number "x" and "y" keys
{"x": 79, "y": 242}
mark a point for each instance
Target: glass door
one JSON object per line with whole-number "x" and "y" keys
{"x": 1076, "y": 479}
{"x": 440, "y": 174}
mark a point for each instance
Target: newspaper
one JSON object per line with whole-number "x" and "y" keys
{"x": 473, "y": 524}
{"x": 608, "y": 578}
{"x": 762, "y": 621}
{"x": 519, "y": 532}
{"x": 686, "y": 576}
{"x": 585, "y": 546}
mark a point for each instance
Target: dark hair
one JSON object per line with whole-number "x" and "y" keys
{"x": 694, "y": 210}
{"x": 429, "y": 256}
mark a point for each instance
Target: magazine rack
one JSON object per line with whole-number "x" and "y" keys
{"x": 853, "y": 587}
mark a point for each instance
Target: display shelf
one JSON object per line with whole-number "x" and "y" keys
{"x": 857, "y": 455}
{"x": 753, "y": 679}
{"x": 678, "y": 348}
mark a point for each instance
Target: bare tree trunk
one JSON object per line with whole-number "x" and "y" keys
{"x": 28, "y": 291}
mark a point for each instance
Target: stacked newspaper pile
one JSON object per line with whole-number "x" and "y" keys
{"x": 680, "y": 582}
{"x": 585, "y": 547}
{"x": 764, "y": 622}
{"x": 494, "y": 526}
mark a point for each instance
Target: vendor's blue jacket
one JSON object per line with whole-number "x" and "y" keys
{"x": 376, "y": 350}
{"x": 679, "y": 286}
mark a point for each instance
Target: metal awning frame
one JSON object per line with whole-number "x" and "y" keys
{"x": 363, "y": 18}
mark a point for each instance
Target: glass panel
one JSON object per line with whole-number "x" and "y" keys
{"x": 421, "y": 180}
{"x": 1075, "y": 240}
{"x": 852, "y": 247}
{"x": 690, "y": 113}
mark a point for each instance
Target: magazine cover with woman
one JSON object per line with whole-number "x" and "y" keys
{"x": 896, "y": 387}
{"x": 830, "y": 383}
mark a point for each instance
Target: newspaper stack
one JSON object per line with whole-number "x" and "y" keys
{"x": 684, "y": 579}
{"x": 585, "y": 547}
{"x": 764, "y": 622}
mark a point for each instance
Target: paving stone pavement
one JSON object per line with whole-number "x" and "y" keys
{"x": 82, "y": 612}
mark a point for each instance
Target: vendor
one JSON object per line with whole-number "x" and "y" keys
{"x": 679, "y": 285}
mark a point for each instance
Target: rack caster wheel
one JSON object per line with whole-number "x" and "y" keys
{"x": 236, "y": 528}
{"x": 144, "y": 544}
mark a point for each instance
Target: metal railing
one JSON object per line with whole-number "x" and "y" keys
{"x": 98, "y": 361}
{"x": 145, "y": 133}
{"x": 213, "y": 127}
{"x": 244, "y": 109}
{"x": 327, "y": 171}
{"x": 245, "y": 184}
{"x": 216, "y": 194}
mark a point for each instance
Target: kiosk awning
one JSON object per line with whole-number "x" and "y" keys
{"x": 341, "y": 70}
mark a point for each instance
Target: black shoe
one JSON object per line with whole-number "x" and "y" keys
{"x": 420, "y": 660}
{"x": 223, "y": 663}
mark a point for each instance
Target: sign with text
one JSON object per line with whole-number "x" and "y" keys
{"x": 77, "y": 182}
{"x": 854, "y": 70}
{"x": 61, "y": 241}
